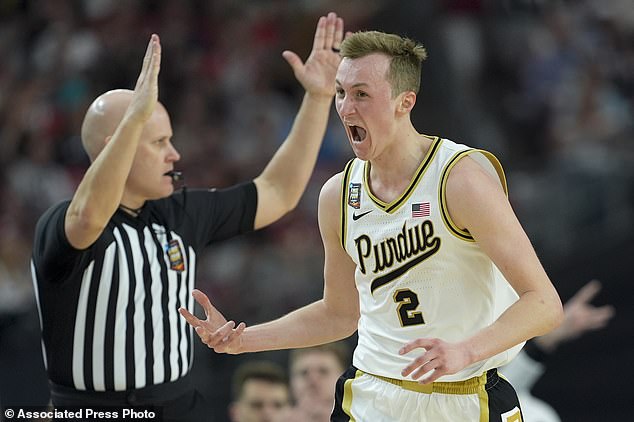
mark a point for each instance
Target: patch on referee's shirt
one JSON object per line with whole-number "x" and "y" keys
{"x": 175, "y": 255}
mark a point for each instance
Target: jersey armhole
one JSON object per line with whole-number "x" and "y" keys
{"x": 485, "y": 159}
{"x": 344, "y": 202}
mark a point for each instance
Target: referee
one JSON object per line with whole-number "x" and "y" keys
{"x": 113, "y": 265}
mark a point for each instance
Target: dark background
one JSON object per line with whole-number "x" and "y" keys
{"x": 547, "y": 86}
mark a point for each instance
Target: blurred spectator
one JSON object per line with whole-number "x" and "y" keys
{"x": 22, "y": 376}
{"x": 260, "y": 393}
{"x": 314, "y": 372}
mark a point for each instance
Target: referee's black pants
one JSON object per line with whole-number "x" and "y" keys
{"x": 175, "y": 401}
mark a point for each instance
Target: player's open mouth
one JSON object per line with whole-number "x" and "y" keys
{"x": 357, "y": 132}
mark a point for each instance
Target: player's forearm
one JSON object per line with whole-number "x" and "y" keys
{"x": 534, "y": 314}
{"x": 308, "y": 326}
{"x": 291, "y": 166}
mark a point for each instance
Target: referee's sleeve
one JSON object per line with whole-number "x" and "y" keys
{"x": 226, "y": 212}
{"x": 52, "y": 253}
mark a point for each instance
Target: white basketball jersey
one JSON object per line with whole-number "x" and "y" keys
{"x": 418, "y": 274}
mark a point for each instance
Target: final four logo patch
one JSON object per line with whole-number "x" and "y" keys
{"x": 175, "y": 255}
{"x": 354, "y": 195}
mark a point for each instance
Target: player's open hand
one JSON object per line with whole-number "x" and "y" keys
{"x": 146, "y": 90}
{"x": 439, "y": 358}
{"x": 215, "y": 331}
{"x": 317, "y": 75}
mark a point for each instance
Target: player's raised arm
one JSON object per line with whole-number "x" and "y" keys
{"x": 281, "y": 184}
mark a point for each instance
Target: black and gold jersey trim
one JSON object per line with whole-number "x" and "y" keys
{"x": 394, "y": 205}
{"x": 344, "y": 201}
{"x": 449, "y": 223}
{"x": 498, "y": 169}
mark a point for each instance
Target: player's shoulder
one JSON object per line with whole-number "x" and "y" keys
{"x": 471, "y": 173}
{"x": 334, "y": 185}
{"x": 467, "y": 177}
{"x": 331, "y": 190}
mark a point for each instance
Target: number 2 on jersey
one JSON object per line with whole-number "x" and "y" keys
{"x": 408, "y": 302}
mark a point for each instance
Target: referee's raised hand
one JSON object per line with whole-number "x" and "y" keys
{"x": 145, "y": 94}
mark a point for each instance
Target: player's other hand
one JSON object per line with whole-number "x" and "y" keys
{"x": 439, "y": 358}
{"x": 317, "y": 75}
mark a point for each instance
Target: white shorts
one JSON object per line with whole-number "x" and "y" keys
{"x": 362, "y": 397}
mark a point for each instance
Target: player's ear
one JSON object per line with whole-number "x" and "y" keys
{"x": 407, "y": 101}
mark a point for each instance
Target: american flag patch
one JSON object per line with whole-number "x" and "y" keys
{"x": 420, "y": 209}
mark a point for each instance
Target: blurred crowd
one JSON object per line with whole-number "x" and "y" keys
{"x": 547, "y": 86}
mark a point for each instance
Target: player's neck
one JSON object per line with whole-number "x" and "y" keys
{"x": 392, "y": 172}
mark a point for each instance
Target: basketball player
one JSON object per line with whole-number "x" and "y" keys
{"x": 113, "y": 265}
{"x": 414, "y": 229}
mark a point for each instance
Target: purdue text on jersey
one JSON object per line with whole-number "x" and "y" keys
{"x": 410, "y": 246}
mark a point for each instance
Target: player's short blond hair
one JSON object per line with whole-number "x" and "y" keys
{"x": 406, "y": 56}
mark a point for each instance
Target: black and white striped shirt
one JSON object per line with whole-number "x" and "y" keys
{"x": 109, "y": 313}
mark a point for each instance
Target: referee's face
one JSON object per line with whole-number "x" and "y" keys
{"x": 155, "y": 157}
